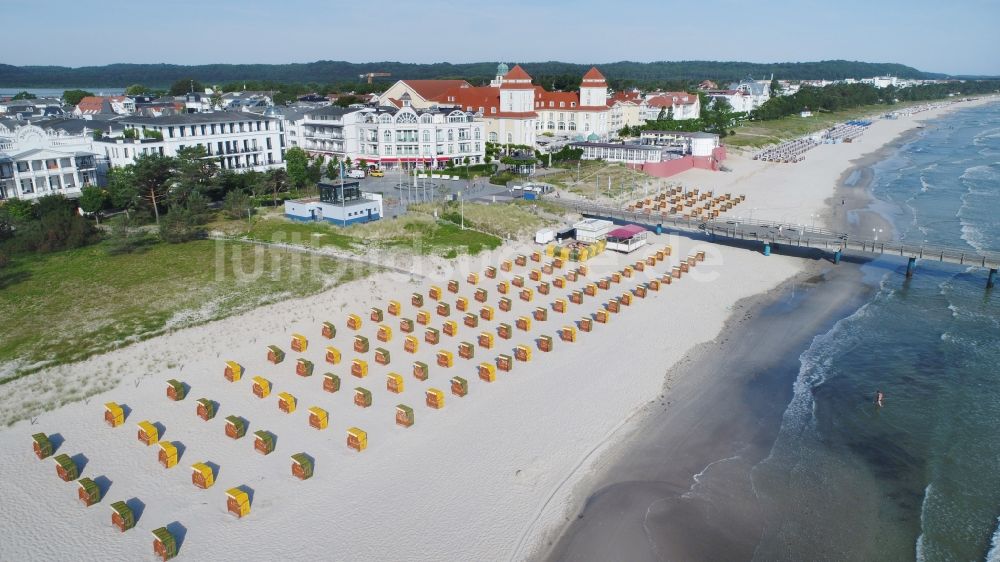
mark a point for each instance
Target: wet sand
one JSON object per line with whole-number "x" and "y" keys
{"x": 724, "y": 412}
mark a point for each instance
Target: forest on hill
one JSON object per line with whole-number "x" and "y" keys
{"x": 619, "y": 74}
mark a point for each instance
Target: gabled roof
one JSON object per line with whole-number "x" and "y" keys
{"x": 593, "y": 75}
{"x": 432, "y": 89}
{"x": 517, "y": 73}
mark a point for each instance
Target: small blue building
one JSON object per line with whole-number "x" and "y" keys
{"x": 338, "y": 203}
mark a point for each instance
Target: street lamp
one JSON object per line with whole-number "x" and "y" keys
{"x": 876, "y": 232}
{"x": 461, "y": 204}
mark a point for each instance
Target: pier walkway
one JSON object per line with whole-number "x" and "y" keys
{"x": 773, "y": 234}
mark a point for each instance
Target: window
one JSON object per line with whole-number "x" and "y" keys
{"x": 572, "y": 104}
{"x": 22, "y": 166}
{"x": 572, "y": 126}
{"x": 476, "y": 134}
{"x": 64, "y": 163}
{"x": 510, "y": 138}
{"x": 427, "y": 136}
{"x": 387, "y": 135}
{"x": 493, "y": 110}
{"x": 493, "y": 137}
{"x": 451, "y": 134}
{"x": 27, "y": 186}
{"x": 269, "y": 143}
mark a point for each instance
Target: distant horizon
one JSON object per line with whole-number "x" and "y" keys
{"x": 959, "y": 37}
{"x": 509, "y": 62}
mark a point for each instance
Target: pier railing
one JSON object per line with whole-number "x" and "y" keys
{"x": 788, "y": 234}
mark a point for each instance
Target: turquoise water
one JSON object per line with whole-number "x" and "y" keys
{"x": 919, "y": 478}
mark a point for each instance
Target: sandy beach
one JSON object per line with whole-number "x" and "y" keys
{"x": 496, "y": 474}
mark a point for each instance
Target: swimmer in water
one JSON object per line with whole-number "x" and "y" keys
{"x": 879, "y": 397}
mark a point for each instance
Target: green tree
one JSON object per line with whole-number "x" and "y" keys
{"x": 185, "y": 85}
{"x": 152, "y": 174}
{"x": 179, "y": 225}
{"x": 237, "y": 204}
{"x": 24, "y": 95}
{"x": 73, "y": 97}
{"x": 92, "y": 200}
{"x": 348, "y": 100}
{"x": 277, "y": 182}
{"x": 316, "y": 169}
{"x": 136, "y": 90}
{"x": 775, "y": 87}
{"x": 20, "y": 209}
{"x": 297, "y": 164}
{"x": 122, "y": 191}
{"x": 332, "y": 169}
{"x": 193, "y": 172}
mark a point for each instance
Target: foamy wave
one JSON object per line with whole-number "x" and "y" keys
{"x": 994, "y": 553}
{"x": 983, "y": 172}
{"x": 921, "y": 540}
{"x": 925, "y": 185}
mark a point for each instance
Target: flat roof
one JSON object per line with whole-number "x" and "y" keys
{"x": 196, "y": 118}
{"x": 615, "y": 145}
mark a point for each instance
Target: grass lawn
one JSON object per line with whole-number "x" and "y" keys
{"x": 66, "y": 306}
{"x": 594, "y": 176}
{"x": 759, "y": 133}
{"x": 510, "y": 220}
{"x": 420, "y": 234}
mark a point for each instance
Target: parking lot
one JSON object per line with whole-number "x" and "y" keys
{"x": 400, "y": 190}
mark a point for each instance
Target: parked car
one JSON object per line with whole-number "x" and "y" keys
{"x": 376, "y": 173}
{"x": 358, "y": 174}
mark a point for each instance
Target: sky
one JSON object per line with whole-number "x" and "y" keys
{"x": 955, "y": 37}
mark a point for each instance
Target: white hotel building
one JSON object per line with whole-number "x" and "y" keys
{"x": 37, "y": 161}
{"x": 240, "y": 141}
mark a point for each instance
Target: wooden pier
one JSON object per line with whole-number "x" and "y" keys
{"x": 772, "y": 235}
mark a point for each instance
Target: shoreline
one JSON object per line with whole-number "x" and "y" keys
{"x": 849, "y": 208}
{"x": 515, "y": 450}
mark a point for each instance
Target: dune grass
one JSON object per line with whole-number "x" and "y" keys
{"x": 66, "y": 306}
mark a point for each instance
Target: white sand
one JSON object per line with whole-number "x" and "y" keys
{"x": 484, "y": 478}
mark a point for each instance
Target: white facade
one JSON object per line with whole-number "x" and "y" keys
{"x": 240, "y": 141}
{"x": 35, "y": 162}
{"x": 407, "y": 137}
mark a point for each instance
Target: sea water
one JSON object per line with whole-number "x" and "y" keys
{"x": 920, "y": 477}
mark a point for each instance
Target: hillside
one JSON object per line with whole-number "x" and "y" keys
{"x": 331, "y": 72}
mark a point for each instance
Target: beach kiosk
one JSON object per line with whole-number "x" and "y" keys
{"x": 66, "y": 469}
{"x": 303, "y": 367}
{"x": 175, "y": 390}
{"x": 432, "y": 336}
{"x": 147, "y": 433}
{"x": 41, "y": 445}
{"x": 541, "y": 314}
{"x": 332, "y": 355}
{"x": 233, "y": 372}
{"x": 487, "y": 372}
{"x": 88, "y": 492}
{"x": 122, "y": 516}
{"x": 362, "y": 397}
{"x": 286, "y": 402}
{"x": 168, "y": 454}
{"x": 114, "y": 415}
{"x": 302, "y": 466}
{"x": 384, "y": 334}
{"x": 411, "y": 344}
{"x": 359, "y": 368}
{"x": 329, "y": 330}
{"x": 445, "y": 359}
{"x": 261, "y": 387}
{"x": 459, "y": 386}
{"x": 353, "y": 322}
{"x": 360, "y": 344}
{"x": 395, "y": 308}
{"x": 318, "y": 418}
{"x": 275, "y": 354}
{"x": 236, "y": 427}
{"x": 357, "y": 439}
{"x": 420, "y": 370}
{"x": 486, "y": 312}
{"x": 237, "y": 502}
{"x": 434, "y": 398}
{"x": 263, "y": 442}
{"x": 164, "y": 544}
{"x": 202, "y": 475}
{"x": 299, "y": 343}
{"x": 404, "y": 415}
{"x": 504, "y": 362}
{"x": 471, "y": 320}
{"x": 331, "y": 382}
{"x": 394, "y": 383}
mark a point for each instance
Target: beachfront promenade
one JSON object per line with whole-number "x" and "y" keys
{"x": 771, "y": 235}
